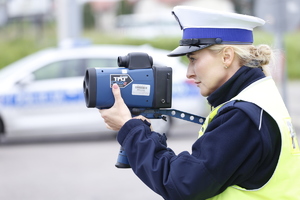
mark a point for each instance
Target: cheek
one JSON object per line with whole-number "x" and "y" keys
{"x": 201, "y": 70}
{"x": 210, "y": 80}
{"x": 205, "y": 68}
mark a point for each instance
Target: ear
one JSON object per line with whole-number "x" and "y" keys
{"x": 228, "y": 56}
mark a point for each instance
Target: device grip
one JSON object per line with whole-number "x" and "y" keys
{"x": 122, "y": 161}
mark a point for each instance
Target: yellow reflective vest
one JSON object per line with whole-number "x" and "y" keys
{"x": 285, "y": 182}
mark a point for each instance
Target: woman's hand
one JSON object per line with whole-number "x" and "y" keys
{"x": 116, "y": 116}
{"x": 144, "y": 118}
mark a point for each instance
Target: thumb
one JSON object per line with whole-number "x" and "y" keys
{"x": 116, "y": 92}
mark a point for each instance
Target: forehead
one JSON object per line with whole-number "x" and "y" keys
{"x": 190, "y": 54}
{"x": 194, "y": 53}
{"x": 203, "y": 53}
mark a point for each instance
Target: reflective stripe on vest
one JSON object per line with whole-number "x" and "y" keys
{"x": 285, "y": 182}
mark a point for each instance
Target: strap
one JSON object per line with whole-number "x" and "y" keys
{"x": 200, "y": 41}
{"x": 228, "y": 104}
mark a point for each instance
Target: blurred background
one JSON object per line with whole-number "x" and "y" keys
{"x": 52, "y": 146}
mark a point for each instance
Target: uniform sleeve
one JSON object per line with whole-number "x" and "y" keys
{"x": 225, "y": 155}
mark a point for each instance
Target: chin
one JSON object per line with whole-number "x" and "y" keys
{"x": 204, "y": 94}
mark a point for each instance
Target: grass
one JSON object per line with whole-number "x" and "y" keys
{"x": 18, "y": 41}
{"x": 292, "y": 55}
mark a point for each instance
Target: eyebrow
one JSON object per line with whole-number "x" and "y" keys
{"x": 189, "y": 54}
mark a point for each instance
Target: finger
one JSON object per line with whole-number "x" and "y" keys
{"x": 101, "y": 110}
{"x": 116, "y": 92}
{"x": 107, "y": 126}
{"x": 140, "y": 117}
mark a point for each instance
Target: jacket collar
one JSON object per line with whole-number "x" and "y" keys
{"x": 239, "y": 81}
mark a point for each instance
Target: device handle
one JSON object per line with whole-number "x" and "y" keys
{"x": 122, "y": 161}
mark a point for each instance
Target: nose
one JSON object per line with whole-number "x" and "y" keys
{"x": 190, "y": 74}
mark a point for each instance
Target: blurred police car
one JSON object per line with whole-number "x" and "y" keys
{"x": 42, "y": 94}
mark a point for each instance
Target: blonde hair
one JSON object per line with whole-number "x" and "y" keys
{"x": 250, "y": 55}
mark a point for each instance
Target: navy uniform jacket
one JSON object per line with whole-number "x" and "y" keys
{"x": 232, "y": 151}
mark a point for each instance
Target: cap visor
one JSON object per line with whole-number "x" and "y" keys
{"x": 182, "y": 50}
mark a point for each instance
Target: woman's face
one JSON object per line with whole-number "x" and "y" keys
{"x": 208, "y": 70}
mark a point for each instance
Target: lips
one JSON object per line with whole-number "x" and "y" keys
{"x": 197, "y": 83}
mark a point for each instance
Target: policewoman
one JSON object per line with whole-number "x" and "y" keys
{"x": 247, "y": 147}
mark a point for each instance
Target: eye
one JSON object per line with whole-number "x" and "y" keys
{"x": 192, "y": 59}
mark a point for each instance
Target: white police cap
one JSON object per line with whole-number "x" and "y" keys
{"x": 204, "y": 27}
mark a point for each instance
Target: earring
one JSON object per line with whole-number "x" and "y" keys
{"x": 225, "y": 66}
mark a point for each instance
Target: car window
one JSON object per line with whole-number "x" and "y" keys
{"x": 101, "y": 63}
{"x": 60, "y": 69}
{"x": 72, "y": 68}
